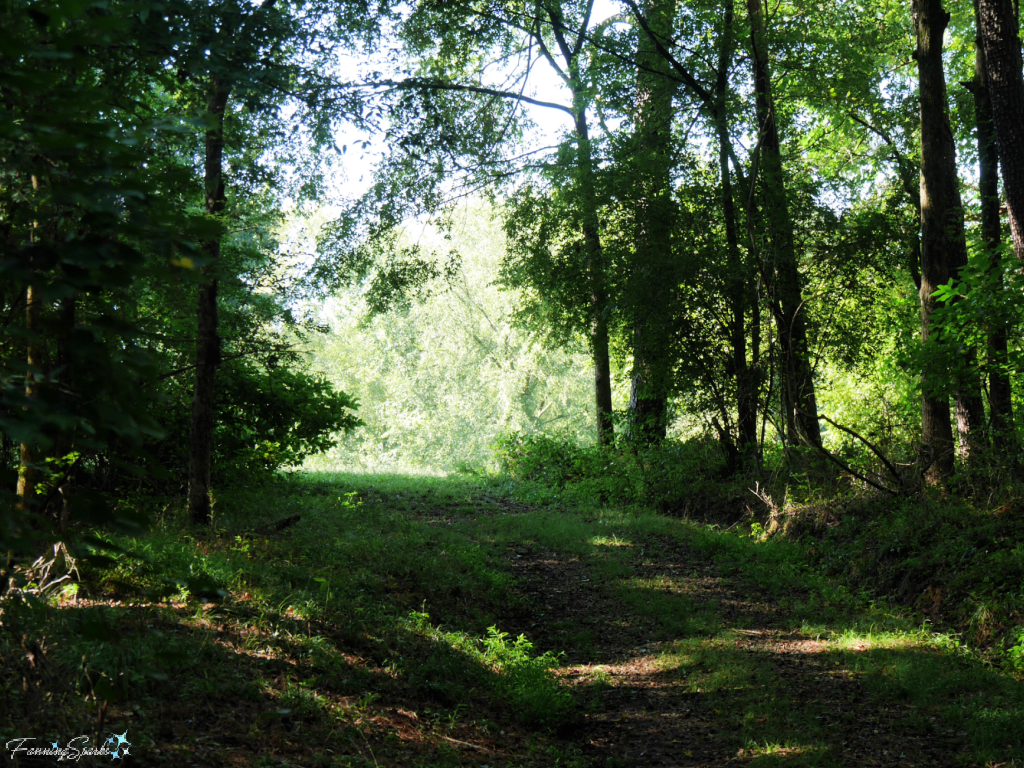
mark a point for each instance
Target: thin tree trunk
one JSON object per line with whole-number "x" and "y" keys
{"x": 596, "y": 273}
{"x": 652, "y": 274}
{"x": 569, "y": 44}
{"x": 1000, "y": 394}
{"x": 28, "y": 472}
{"x": 64, "y": 441}
{"x": 796, "y": 374}
{"x": 746, "y": 395}
{"x": 940, "y": 216}
{"x": 754, "y": 373}
{"x": 207, "y": 339}
{"x": 1000, "y": 34}
{"x": 970, "y": 407}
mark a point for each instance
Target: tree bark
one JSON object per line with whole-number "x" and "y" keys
{"x": 1000, "y": 393}
{"x": 655, "y": 218}
{"x": 941, "y": 223}
{"x": 739, "y": 277}
{"x": 596, "y": 273}
{"x": 1000, "y": 34}
{"x": 28, "y": 471}
{"x": 970, "y": 413}
{"x": 207, "y": 339}
{"x": 796, "y": 374}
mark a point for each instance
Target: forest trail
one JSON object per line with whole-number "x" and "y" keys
{"x": 380, "y": 630}
{"x": 721, "y": 663}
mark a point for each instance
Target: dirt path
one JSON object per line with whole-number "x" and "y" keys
{"x": 730, "y": 684}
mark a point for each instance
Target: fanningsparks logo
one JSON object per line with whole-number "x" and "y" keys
{"x": 116, "y": 746}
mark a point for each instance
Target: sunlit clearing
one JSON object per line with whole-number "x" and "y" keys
{"x": 328, "y": 465}
{"x": 658, "y": 582}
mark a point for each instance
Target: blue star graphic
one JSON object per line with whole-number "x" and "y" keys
{"x": 121, "y": 740}
{"x": 54, "y": 745}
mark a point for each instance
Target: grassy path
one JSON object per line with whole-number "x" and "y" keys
{"x": 381, "y": 630}
{"x": 698, "y": 672}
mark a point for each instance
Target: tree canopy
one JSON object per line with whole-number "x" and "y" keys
{"x": 732, "y": 219}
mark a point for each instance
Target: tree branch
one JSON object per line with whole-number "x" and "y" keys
{"x": 874, "y": 449}
{"x": 689, "y": 80}
{"x": 843, "y": 465}
{"x": 187, "y": 368}
{"x": 417, "y": 83}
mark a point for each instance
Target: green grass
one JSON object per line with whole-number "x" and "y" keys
{"x": 880, "y": 642}
{"x": 372, "y": 630}
{"x": 341, "y": 599}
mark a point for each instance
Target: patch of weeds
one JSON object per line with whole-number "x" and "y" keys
{"x": 598, "y": 680}
{"x": 507, "y": 666}
{"x": 303, "y": 703}
{"x": 789, "y": 753}
{"x": 526, "y": 679}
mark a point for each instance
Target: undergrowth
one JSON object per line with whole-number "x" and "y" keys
{"x": 952, "y": 559}
{"x": 322, "y": 629}
{"x": 370, "y": 633}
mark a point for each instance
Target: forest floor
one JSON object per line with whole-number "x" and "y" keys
{"x": 361, "y": 636}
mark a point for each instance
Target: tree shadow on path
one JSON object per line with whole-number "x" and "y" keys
{"x": 679, "y": 665}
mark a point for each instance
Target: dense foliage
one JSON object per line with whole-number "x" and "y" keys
{"x": 715, "y": 305}
{"x": 106, "y": 240}
{"x": 730, "y": 218}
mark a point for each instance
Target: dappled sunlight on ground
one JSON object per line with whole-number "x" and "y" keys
{"x": 698, "y": 672}
{"x": 360, "y": 637}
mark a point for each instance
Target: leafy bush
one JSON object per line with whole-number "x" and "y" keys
{"x": 266, "y": 417}
{"x": 669, "y": 476}
{"x": 277, "y": 417}
{"x": 549, "y": 459}
{"x": 522, "y": 679}
{"x": 1015, "y": 653}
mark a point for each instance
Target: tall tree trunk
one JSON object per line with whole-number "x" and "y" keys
{"x": 28, "y": 472}
{"x": 1000, "y": 394}
{"x": 941, "y": 222}
{"x": 1000, "y": 33}
{"x": 207, "y": 339}
{"x": 655, "y": 218}
{"x": 796, "y": 373}
{"x": 569, "y": 44}
{"x": 64, "y": 440}
{"x": 739, "y": 288}
{"x": 596, "y": 274}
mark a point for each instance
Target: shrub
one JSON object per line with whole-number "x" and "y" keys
{"x": 668, "y": 476}
{"x": 266, "y": 417}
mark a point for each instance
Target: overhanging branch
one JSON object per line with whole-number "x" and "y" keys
{"x": 423, "y": 84}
